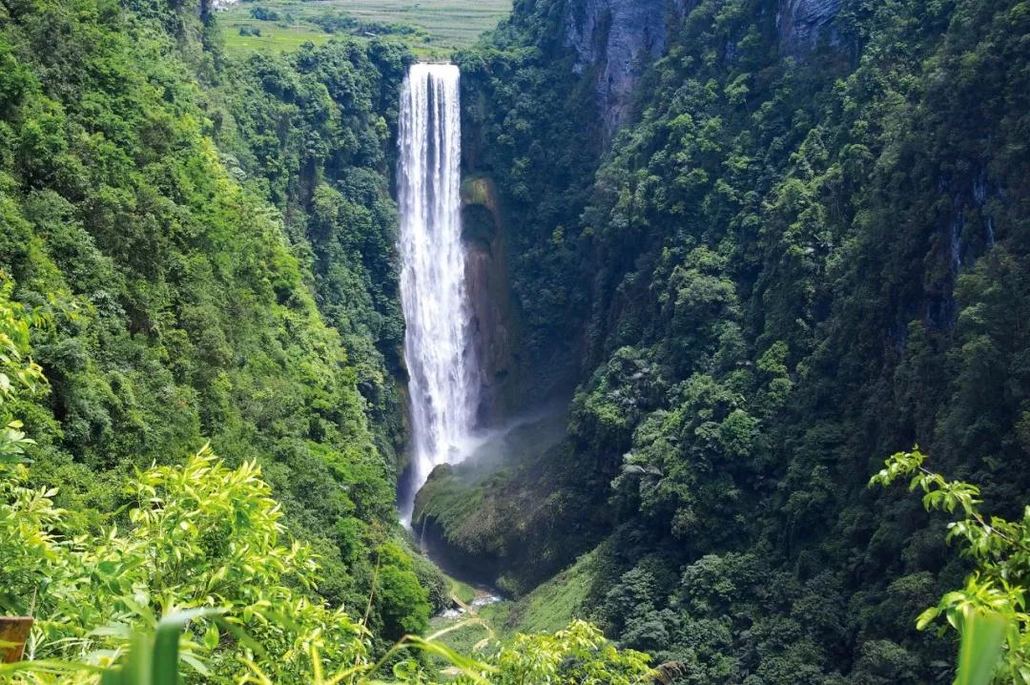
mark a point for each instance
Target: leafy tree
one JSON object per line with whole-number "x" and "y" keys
{"x": 999, "y": 549}
{"x": 178, "y": 308}
{"x": 793, "y": 257}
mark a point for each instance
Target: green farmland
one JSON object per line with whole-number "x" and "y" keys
{"x": 430, "y": 27}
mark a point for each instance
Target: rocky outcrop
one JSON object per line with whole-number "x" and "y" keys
{"x": 966, "y": 232}
{"x": 500, "y": 518}
{"x": 615, "y": 40}
{"x": 803, "y": 24}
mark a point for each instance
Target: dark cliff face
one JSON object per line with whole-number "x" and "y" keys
{"x": 804, "y": 23}
{"x": 617, "y": 39}
{"x": 486, "y": 276}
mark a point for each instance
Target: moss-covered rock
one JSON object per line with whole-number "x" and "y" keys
{"x": 512, "y": 516}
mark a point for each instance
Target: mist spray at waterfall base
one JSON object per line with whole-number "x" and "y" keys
{"x": 444, "y": 376}
{"x": 521, "y": 442}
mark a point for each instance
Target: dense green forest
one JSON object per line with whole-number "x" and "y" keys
{"x": 786, "y": 266}
{"x": 199, "y": 364}
{"x": 161, "y": 214}
{"x": 787, "y": 261}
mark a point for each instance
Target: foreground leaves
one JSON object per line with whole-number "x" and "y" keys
{"x": 982, "y": 638}
{"x": 990, "y": 610}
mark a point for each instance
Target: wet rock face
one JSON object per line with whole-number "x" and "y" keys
{"x": 803, "y": 23}
{"x": 486, "y": 277}
{"x": 490, "y": 322}
{"x": 618, "y": 38}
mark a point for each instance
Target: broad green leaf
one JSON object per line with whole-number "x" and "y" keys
{"x": 982, "y": 636}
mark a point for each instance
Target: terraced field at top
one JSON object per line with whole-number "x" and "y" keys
{"x": 437, "y": 27}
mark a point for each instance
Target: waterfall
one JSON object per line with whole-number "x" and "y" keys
{"x": 443, "y": 374}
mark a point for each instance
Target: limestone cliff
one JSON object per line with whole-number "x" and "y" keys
{"x": 614, "y": 41}
{"x": 803, "y": 24}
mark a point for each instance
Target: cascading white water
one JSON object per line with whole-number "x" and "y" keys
{"x": 444, "y": 377}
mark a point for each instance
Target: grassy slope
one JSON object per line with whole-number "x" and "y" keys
{"x": 550, "y": 607}
{"x": 553, "y": 605}
{"x": 445, "y": 24}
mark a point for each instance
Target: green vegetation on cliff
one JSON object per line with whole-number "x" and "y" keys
{"x": 176, "y": 276}
{"x": 792, "y": 261}
{"x": 193, "y": 250}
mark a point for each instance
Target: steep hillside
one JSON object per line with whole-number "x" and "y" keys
{"x": 750, "y": 247}
{"x": 164, "y": 219}
{"x": 313, "y": 133}
{"x": 804, "y": 250}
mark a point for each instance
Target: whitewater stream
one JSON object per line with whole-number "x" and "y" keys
{"x": 443, "y": 373}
